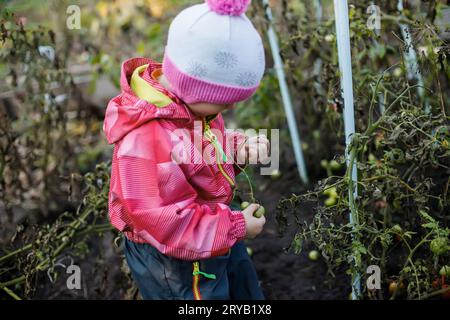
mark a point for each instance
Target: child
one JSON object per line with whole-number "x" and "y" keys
{"x": 182, "y": 240}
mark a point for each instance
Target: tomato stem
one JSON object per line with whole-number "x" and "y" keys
{"x": 252, "y": 196}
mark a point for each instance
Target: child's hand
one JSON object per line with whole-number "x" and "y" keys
{"x": 256, "y": 150}
{"x": 253, "y": 225}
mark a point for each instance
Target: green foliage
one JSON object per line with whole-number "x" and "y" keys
{"x": 401, "y": 210}
{"x": 68, "y": 233}
{"x": 34, "y": 130}
{"x": 402, "y": 204}
{"x": 37, "y": 164}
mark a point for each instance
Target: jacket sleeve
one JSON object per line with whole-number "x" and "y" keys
{"x": 160, "y": 206}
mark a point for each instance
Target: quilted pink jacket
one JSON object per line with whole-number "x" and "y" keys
{"x": 180, "y": 209}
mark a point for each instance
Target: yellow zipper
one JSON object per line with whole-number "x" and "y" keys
{"x": 209, "y": 135}
{"x": 196, "y": 273}
{"x": 225, "y": 175}
{"x": 195, "y": 281}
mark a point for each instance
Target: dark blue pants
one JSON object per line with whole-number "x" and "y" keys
{"x": 161, "y": 277}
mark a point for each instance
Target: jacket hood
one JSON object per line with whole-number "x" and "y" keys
{"x": 127, "y": 111}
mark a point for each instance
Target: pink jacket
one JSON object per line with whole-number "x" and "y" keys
{"x": 180, "y": 209}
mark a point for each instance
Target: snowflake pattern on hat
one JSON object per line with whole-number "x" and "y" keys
{"x": 214, "y": 53}
{"x": 246, "y": 79}
{"x": 226, "y": 60}
{"x": 196, "y": 69}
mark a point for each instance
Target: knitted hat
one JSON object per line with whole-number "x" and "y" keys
{"x": 213, "y": 53}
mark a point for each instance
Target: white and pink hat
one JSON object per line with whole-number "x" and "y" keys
{"x": 214, "y": 54}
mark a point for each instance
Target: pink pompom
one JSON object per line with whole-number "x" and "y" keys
{"x": 228, "y": 7}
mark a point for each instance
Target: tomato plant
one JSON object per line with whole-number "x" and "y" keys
{"x": 401, "y": 202}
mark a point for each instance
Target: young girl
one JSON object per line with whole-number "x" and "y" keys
{"x": 182, "y": 239}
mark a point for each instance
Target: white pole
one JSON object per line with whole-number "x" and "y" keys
{"x": 345, "y": 67}
{"x": 412, "y": 65}
{"x": 319, "y": 10}
{"x": 287, "y": 102}
{"x": 318, "y": 62}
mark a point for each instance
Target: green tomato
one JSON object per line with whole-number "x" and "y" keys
{"x": 445, "y": 271}
{"x": 316, "y": 134}
{"x": 324, "y": 164}
{"x": 398, "y": 72}
{"x": 331, "y": 192}
{"x": 397, "y": 229}
{"x": 244, "y": 205}
{"x": 305, "y": 146}
{"x": 313, "y": 255}
{"x": 260, "y": 212}
{"x": 331, "y": 201}
{"x": 329, "y": 38}
{"x": 334, "y": 165}
{"x": 439, "y": 245}
{"x": 275, "y": 174}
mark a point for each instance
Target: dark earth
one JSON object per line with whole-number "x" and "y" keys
{"x": 287, "y": 275}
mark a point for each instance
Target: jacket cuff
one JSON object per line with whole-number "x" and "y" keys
{"x": 239, "y": 231}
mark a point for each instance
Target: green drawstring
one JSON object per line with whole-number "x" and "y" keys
{"x": 213, "y": 139}
{"x": 206, "y": 275}
{"x": 197, "y": 272}
{"x": 219, "y": 148}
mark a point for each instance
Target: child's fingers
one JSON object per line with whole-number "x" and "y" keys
{"x": 251, "y": 209}
{"x": 262, "y": 146}
{"x": 253, "y": 140}
{"x": 262, "y": 220}
{"x": 258, "y": 153}
{"x": 253, "y": 154}
{"x": 263, "y": 139}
